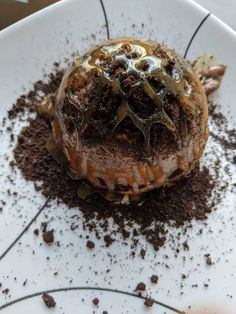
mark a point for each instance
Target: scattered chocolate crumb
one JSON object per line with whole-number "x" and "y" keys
{"x": 148, "y": 302}
{"x": 108, "y": 239}
{"x": 36, "y": 231}
{"x": 95, "y": 301}
{"x": 6, "y": 291}
{"x": 209, "y": 260}
{"x": 12, "y": 137}
{"x": 194, "y": 285}
{"x": 183, "y": 276}
{"x": 125, "y": 233}
{"x": 104, "y": 312}
{"x": 48, "y": 236}
{"x": 44, "y": 226}
{"x": 90, "y": 244}
{"x": 142, "y": 253}
{"x": 154, "y": 279}
{"x": 48, "y": 300}
{"x": 141, "y": 287}
{"x": 186, "y": 246}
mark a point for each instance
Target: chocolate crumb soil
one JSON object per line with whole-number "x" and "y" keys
{"x": 192, "y": 197}
{"x": 186, "y": 200}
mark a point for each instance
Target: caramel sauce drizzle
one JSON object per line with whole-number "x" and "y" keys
{"x": 140, "y": 61}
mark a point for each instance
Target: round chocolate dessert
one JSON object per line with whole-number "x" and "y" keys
{"x": 129, "y": 116}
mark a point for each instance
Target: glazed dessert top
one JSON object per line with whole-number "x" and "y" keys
{"x": 127, "y": 78}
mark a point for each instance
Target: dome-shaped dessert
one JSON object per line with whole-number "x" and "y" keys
{"x": 130, "y": 116}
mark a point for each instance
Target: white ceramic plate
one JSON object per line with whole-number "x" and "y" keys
{"x": 28, "y": 49}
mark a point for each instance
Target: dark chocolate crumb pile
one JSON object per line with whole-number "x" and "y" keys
{"x": 192, "y": 197}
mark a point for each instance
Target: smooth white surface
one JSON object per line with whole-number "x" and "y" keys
{"x": 34, "y": 44}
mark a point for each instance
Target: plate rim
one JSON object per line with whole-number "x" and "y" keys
{"x": 196, "y": 6}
